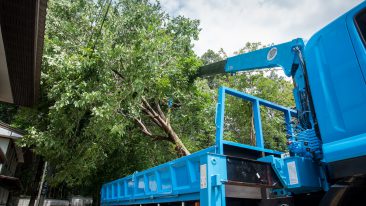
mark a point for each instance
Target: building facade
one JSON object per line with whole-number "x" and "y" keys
{"x": 11, "y": 156}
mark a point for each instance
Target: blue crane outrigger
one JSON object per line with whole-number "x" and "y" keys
{"x": 326, "y": 163}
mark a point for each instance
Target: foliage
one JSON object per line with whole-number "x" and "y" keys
{"x": 7, "y": 112}
{"x": 98, "y": 87}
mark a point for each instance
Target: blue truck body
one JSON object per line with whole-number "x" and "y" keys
{"x": 326, "y": 147}
{"x": 188, "y": 178}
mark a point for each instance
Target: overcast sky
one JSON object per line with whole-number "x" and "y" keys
{"x": 229, "y": 24}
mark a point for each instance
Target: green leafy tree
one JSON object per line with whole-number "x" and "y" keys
{"x": 7, "y": 112}
{"x": 116, "y": 91}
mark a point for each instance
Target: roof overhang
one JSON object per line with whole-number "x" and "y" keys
{"x": 10, "y": 183}
{"x": 22, "y": 25}
{"x": 13, "y": 134}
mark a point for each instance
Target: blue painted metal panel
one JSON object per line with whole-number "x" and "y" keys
{"x": 199, "y": 176}
{"x": 297, "y": 174}
{"x": 219, "y": 120}
{"x": 356, "y": 38}
{"x": 259, "y": 141}
{"x": 335, "y": 61}
{"x": 214, "y": 172}
{"x": 351, "y": 147}
{"x": 178, "y": 180}
{"x": 281, "y": 55}
{"x": 288, "y": 124}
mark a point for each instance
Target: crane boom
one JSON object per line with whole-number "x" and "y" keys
{"x": 281, "y": 55}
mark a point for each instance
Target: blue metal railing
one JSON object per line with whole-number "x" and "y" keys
{"x": 182, "y": 179}
{"x": 256, "y": 103}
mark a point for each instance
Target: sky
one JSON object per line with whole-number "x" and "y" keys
{"x": 229, "y": 24}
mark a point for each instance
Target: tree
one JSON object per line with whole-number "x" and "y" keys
{"x": 210, "y": 56}
{"x": 116, "y": 90}
{"x": 7, "y": 112}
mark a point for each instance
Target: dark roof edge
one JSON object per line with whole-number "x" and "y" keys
{"x": 6, "y": 126}
{"x": 39, "y": 42}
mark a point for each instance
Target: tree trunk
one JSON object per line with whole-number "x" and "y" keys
{"x": 158, "y": 117}
{"x": 179, "y": 146}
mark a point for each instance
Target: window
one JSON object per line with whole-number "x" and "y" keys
{"x": 360, "y": 21}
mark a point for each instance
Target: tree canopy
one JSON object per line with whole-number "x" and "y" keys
{"x": 114, "y": 88}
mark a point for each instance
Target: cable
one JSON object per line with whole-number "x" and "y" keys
{"x": 96, "y": 19}
{"x": 307, "y": 88}
{"x": 101, "y": 26}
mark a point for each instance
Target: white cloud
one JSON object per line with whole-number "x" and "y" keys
{"x": 229, "y": 24}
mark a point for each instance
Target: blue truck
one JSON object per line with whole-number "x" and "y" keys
{"x": 326, "y": 162}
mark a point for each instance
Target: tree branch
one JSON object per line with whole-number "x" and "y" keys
{"x": 118, "y": 74}
{"x": 159, "y": 119}
{"x": 152, "y": 116}
{"x": 147, "y": 132}
{"x": 155, "y": 114}
{"x": 180, "y": 147}
{"x": 143, "y": 127}
{"x": 161, "y": 113}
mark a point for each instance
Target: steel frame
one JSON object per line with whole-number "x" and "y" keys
{"x": 199, "y": 176}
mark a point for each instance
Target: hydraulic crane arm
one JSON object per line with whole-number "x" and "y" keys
{"x": 282, "y": 55}
{"x": 289, "y": 56}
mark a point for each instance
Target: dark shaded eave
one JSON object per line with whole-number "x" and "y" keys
{"x": 22, "y": 26}
{"x": 18, "y": 134}
{"x": 10, "y": 183}
{"x": 8, "y": 127}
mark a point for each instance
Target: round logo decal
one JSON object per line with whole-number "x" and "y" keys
{"x": 272, "y": 53}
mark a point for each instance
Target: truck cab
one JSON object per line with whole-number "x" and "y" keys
{"x": 336, "y": 68}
